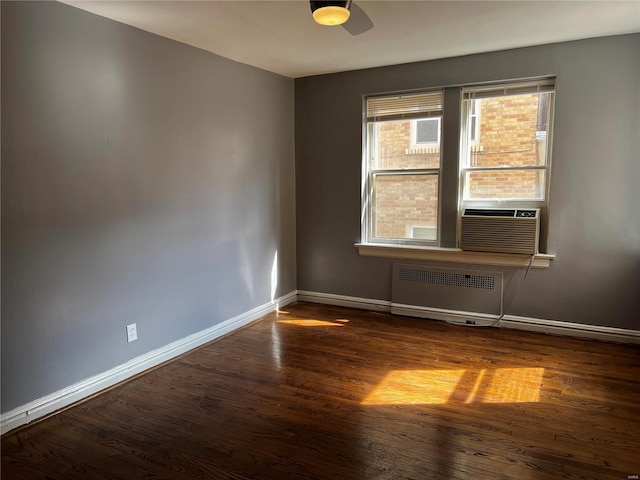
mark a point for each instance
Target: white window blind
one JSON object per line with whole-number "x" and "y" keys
{"x": 488, "y": 91}
{"x": 405, "y": 106}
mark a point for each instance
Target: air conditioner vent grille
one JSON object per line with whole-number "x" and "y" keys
{"x": 500, "y": 230}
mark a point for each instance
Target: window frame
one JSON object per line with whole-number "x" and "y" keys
{"x": 372, "y": 221}
{"x": 450, "y": 194}
{"x": 492, "y": 90}
{"x": 369, "y": 174}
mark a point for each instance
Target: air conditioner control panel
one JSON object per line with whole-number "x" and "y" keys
{"x": 527, "y": 213}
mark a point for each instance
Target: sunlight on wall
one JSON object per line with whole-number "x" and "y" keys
{"x": 433, "y": 387}
{"x": 274, "y": 277}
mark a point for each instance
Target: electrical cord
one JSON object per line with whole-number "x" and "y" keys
{"x": 502, "y": 313}
{"x": 496, "y": 321}
{"x": 524, "y": 279}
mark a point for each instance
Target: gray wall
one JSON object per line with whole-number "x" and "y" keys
{"x": 142, "y": 181}
{"x": 147, "y": 181}
{"x": 594, "y": 226}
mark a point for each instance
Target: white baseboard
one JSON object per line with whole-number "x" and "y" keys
{"x": 451, "y": 316}
{"x": 396, "y": 308}
{"x": 344, "y": 301}
{"x": 62, "y": 398}
{"x": 581, "y": 330}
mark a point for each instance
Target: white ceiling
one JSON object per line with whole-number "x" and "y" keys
{"x": 281, "y": 36}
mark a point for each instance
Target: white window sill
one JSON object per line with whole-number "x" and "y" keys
{"x": 453, "y": 255}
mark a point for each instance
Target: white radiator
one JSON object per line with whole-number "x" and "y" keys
{"x": 471, "y": 296}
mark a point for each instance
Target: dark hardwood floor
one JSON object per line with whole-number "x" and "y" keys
{"x": 319, "y": 392}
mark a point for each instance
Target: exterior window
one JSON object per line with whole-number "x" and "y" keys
{"x": 425, "y": 132}
{"x": 402, "y": 168}
{"x": 474, "y": 122}
{"x": 508, "y": 160}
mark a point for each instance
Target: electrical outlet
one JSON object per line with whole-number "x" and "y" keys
{"x": 132, "y": 333}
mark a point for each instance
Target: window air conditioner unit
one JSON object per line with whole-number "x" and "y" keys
{"x": 501, "y": 230}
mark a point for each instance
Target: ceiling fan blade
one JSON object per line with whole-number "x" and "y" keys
{"x": 359, "y": 22}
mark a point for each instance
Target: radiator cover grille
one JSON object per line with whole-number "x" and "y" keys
{"x": 412, "y": 274}
{"x": 446, "y": 288}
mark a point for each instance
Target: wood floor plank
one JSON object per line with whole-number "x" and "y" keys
{"x": 320, "y": 392}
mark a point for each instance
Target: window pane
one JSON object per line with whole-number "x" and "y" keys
{"x": 512, "y": 131}
{"x": 510, "y": 184}
{"x": 392, "y": 148}
{"x": 405, "y": 206}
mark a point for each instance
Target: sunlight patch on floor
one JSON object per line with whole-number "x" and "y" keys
{"x": 437, "y": 387}
{"x": 315, "y": 323}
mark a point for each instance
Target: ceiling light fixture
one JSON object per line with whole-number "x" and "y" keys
{"x": 331, "y": 13}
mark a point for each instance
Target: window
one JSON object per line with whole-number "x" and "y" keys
{"x": 493, "y": 153}
{"x": 474, "y": 122}
{"x": 507, "y": 161}
{"x": 425, "y": 132}
{"x": 401, "y": 177}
